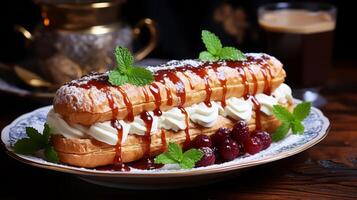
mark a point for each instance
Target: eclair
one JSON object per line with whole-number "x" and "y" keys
{"x": 96, "y": 123}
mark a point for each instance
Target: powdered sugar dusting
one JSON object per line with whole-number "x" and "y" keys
{"x": 173, "y": 64}
{"x": 78, "y": 97}
{"x": 257, "y": 55}
{"x": 72, "y": 94}
{"x": 88, "y": 77}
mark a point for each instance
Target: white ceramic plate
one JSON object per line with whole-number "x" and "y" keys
{"x": 316, "y": 128}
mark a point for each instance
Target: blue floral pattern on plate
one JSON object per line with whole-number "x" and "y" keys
{"x": 316, "y": 127}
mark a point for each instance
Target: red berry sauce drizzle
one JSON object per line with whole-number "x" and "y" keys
{"x": 256, "y": 103}
{"x": 222, "y": 79}
{"x": 100, "y": 81}
{"x": 267, "y": 74}
{"x": 203, "y": 74}
{"x": 146, "y": 94}
{"x": 146, "y": 163}
{"x": 180, "y": 92}
{"x": 155, "y": 91}
{"x": 163, "y": 141}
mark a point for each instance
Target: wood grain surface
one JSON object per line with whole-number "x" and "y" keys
{"x": 326, "y": 171}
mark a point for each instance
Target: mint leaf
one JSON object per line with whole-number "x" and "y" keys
{"x": 125, "y": 72}
{"x": 174, "y": 155}
{"x": 193, "y": 154}
{"x": 290, "y": 120}
{"x": 281, "y": 132}
{"x": 26, "y": 146}
{"x": 124, "y": 58}
{"x": 51, "y": 155}
{"x": 117, "y": 78}
{"x": 139, "y": 76}
{"x": 231, "y": 53}
{"x": 297, "y": 127}
{"x": 302, "y": 110}
{"x": 187, "y": 163}
{"x": 36, "y": 142}
{"x": 207, "y": 56}
{"x": 190, "y": 157}
{"x": 212, "y": 42}
{"x": 215, "y": 50}
{"x": 46, "y": 134}
{"x": 282, "y": 114}
{"x": 164, "y": 158}
{"x": 35, "y": 136}
{"x": 175, "y": 151}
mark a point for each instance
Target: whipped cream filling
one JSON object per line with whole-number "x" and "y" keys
{"x": 138, "y": 126}
{"x": 101, "y": 131}
{"x": 204, "y": 115}
{"x": 174, "y": 119}
{"x": 283, "y": 94}
{"x": 61, "y": 127}
{"x": 238, "y": 108}
{"x": 105, "y": 132}
{"x": 266, "y": 103}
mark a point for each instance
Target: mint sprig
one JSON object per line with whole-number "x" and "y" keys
{"x": 174, "y": 155}
{"x": 35, "y": 142}
{"x": 215, "y": 50}
{"x": 125, "y": 72}
{"x": 290, "y": 120}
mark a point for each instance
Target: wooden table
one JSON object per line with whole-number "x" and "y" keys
{"x": 326, "y": 171}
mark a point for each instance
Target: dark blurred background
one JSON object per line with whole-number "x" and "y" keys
{"x": 180, "y": 23}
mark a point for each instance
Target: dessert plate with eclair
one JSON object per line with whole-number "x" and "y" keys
{"x": 182, "y": 123}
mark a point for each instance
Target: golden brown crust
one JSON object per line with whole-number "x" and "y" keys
{"x": 87, "y": 106}
{"x": 92, "y": 153}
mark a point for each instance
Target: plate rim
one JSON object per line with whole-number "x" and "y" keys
{"x": 166, "y": 173}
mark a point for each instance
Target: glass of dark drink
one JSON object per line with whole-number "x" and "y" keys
{"x": 301, "y": 36}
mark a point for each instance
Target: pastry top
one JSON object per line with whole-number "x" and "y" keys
{"x": 177, "y": 84}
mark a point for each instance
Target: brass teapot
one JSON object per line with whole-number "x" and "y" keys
{"x": 77, "y": 38}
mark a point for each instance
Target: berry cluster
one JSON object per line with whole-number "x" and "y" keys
{"x": 227, "y": 144}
